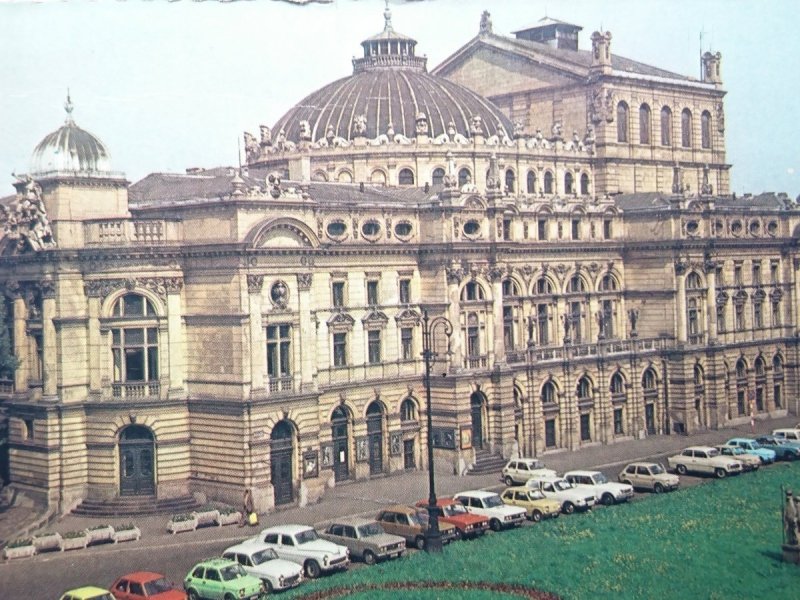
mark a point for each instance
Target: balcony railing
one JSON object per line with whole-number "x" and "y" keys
{"x": 143, "y": 389}
{"x": 360, "y": 373}
{"x": 606, "y": 347}
{"x": 123, "y": 231}
{"x": 476, "y": 362}
{"x": 281, "y": 384}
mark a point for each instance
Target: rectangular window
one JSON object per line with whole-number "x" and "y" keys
{"x": 720, "y": 276}
{"x": 618, "y": 428}
{"x": 541, "y": 226}
{"x": 542, "y": 321}
{"x": 339, "y": 349}
{"x": 135, "y": 354}
{"x": 404, "y": 288}
{"x": 576, "y": 229}
{"x": 372, "y": 293}
{"x": 550, "y": 433}
{"x": 758, "y": 315}
{"x": 337, "y": 293}
{"x": 279, "y": 351}
{"x": 473, "y": 342}
{"x": 508, "y": 327}
{"x": 776, "y": 391}
{"x": 607, "y": 229}
{"x": 721, "y": 325}
{"x": 756, "y": 273}
{"x": 407, "y": 343}
{"x": 586, "y": 428}
{"x": 740, "y": 405}
{"x": 374, "y": 346}
{"x": 773, "y": 272}
{"x": 507, "y": 230}
{"x": 776, "y": 314}
{"x": 738, "y": 311}
{"x": 575, "y": 321}
{"x": 737, "y": 273}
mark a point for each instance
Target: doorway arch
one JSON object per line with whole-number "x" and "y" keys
{"x": 282, "y": 462}
{"x": 136, "y": 461}
{"x": 340, "y": 435}
{"x": 375, "y": 414}
{"x": 477, "y": 401}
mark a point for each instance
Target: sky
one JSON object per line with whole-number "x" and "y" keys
{"x": 172, "y": 85}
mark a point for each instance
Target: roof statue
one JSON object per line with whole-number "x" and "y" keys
{"x": 26, "y": 219}
{"x": 486, "y": 23}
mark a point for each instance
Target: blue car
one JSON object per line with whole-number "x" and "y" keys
{"x": 784, "y": 449}
{"x": 753, "y": 447}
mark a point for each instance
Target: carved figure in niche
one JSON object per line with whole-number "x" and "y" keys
{"x": 279, "y": 294}
{"x": 266, "y": 135}
{"x": 422, "y": 123}
{"x": 305, "y": 130}
{"x": 706, "y": 189}
{"x": 633, "y": 316}
{"x": 486, "y": 23}
{"x": 557, "y": 131}
{"x": 360, "y": 125}
{"x": 565, "y": 320}
{"x": 274, "y": 181}
{"x": 251, "y": 147}
{"x": 590, "y": 138}
{"x": 476, "y": 125}
{"x": 718, "y": 108}
{"x": 518, "y": 130}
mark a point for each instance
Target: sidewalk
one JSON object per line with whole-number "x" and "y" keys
{"x": 406, "y": 488}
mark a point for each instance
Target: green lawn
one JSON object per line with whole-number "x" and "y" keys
{"x": 718, "y": 540}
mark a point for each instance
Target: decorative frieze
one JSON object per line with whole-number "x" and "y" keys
{"x": 160, "y": 286}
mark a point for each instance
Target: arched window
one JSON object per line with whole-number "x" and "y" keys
{"x": 345, "y": 177}
{"x": 741, "y": 369}
{"x": 510, "y": 181}
{"x": 608, "y": 283}
{"x": 777, "y": 365}
{"x": 408, "y": 410}
{"x": 622, "y": 122}
{"x": 686, "y": 128}
{"x": 666, "y": 126}
{"x": 617, "y": 385}
{"x": 531, "y": 182}
{"x": 464, "y": 177}
{"x": 649, "y": 380}
{"x": 543, "y": 286}
{"x": 576, "y": 284}
{"x": 510, "y": 288}
{"x": 584, "y": 185}
{"x": 693, "y": 281}
{"x": 134, "y": 346}
{"x": 644, "y": 124}
{"x": 705, "y": 129}
{"x": 548, "y": 393}
{"x": 378, "y": 177}
{"x": 759, "y": 367}
{"x": 584, "y": 389}
{"x": 569, "y": 181}
{"x": 548, "y": 182}
{"x": 699, "y": 376}
{"x": 437, "y": 177}
{"x": 472, "y": 291}
{"x": 405, "y": 177}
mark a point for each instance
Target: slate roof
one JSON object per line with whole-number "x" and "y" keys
{"x": 658, "y": 201}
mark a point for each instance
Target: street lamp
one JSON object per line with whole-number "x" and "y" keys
{"x": 433, "y": 538}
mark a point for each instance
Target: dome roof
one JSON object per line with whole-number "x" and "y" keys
{"x": 391, "y": 86}
{"x": 70, "y": 148}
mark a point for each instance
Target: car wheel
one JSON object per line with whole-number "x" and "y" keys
{"x": 536, "y": 516}
{"x": 193, "y": 595}
{"x": 459, "y": 534}
{"x": 608, "y": 499}
{"x": 419, "y": 542}
{"x": 658, "y": 488}
{"x": 495, "y": 525}
{"x": 312, "y": 569}
{"x": 229, "y": 597}
{"x": 267, "y": 586}
{"x": 720, "y": 473}
{"x": 681, "y": 469}
{"x": 568, "y": 508}
{"x": 508, "y": 480}
{"x": 369, "y": 557}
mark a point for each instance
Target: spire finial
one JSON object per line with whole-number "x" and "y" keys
{"x": 387, "y": 15}
{"x": 68, "y": 107}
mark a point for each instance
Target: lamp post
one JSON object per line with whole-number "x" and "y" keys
{"x": 433, "y": 538}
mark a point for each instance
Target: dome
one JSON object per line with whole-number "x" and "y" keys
{"x": 70, "y": 148}
{"x": 390, "y": 85}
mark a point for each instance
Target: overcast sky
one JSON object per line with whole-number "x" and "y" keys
{"x": 171, "y": 85}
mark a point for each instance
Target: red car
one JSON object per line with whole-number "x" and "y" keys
{"x": 145, "y": 584}
{"x": 467, "y": 525}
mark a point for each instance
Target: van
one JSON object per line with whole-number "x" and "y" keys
{"x": 787, "y": 434}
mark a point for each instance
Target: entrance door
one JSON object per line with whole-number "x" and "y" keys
{"x": 136, "y": 461}
{"x": 281, "y": 462}
{"x": 650, "y": 418}
{"x": 340, "y": 432}
{"x": 409, "y": 461}
{"x": 476, "y": 407}
{"x": 375, "y": 433}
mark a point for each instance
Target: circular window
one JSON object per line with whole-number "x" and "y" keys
{"x": 755, "y": 227}
{"x": 337, "y": 230}
{"x": 736, "y": 228}
{"x": 692, "y": 227}
{"x": 371, "y": 229}
{"x": 772, "y": 228}
{"x": 472, "y": 228}
{"x": 403, "y": 229}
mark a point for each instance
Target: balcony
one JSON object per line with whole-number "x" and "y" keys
{"x": 605, "y": 347}
{"x": 476, "y": 362}
{"x": 281, "y": 384}
{"x": 376, "y": 372}
{"x": 142, "y": 389}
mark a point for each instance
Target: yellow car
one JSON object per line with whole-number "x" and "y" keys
{"x": 88, "y": 592}
{"x": 533, "y": 501}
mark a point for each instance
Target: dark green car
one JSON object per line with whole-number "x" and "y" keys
{"x": 222, "y": 579}
{"x": 784, "y": 449}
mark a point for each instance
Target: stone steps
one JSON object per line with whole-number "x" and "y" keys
{"x": 135, "y": 505}
{"x": 487, "y": 463}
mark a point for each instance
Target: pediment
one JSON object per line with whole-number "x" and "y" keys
{"x": 375, "y": 319}
{"x": 341, "y": 322}
{"x": 407, "y": 318}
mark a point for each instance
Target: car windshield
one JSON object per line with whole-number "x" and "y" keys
{"x": 562, "y": 484}
{"x": 492, "y": 501}
{"x": 370, "y": 529}
{"x": 262, "y": 556}
{"x": 309, "y": 535}
{"x": 232, "y": 572}
{"x": 599, "y": 478}
{"x": 420, "y": 518}
{"x": 657, "y": 469}
{"x": 535, "y": 495}
{"x": 713, "y": 452}
{"x": 157, "y": 586}
{"x": 454, "y": 510}
{"x": 755, "y": 445}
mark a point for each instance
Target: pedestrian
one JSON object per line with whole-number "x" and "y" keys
{"x": 248, "y": 509}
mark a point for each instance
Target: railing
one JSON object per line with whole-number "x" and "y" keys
{"x": 281, "y": 384}
{"x": 476, "y": 362}
{"x": 606, "y": 347}
{"x": 144, "y": 389}
{"x": 697, "y": 339}
{"x": 360, "y": 373}
{"x": 123, "y": 231}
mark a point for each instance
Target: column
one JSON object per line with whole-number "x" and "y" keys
{"x": 50, "y": 354}
{"x": 22, "y": 372}
{"x": 680, "y": 301}
{"x": 95, "y": 343}
{"x": 258, "y": 349}
{"x": 307, "y": 344}
{"x": 497, "y": 353}
{"x": 175, "y": 333}
{"x": 711, "y": 299}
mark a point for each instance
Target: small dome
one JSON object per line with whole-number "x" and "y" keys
{"x": 71, "y": 149}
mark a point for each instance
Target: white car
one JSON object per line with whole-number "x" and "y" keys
{"x": 571, "y": 498}
{"x": 605, "y": 491}
{"x": 491, "y": 506}
{"x": 704, "y": 459}
{"x": 262, "y": 561}
{"x": 302, "y": 545}
{"x": 793, "y": 435}
{"x": 518, "y": 470}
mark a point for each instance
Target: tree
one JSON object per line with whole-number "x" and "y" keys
{"x": 8, "y": 362}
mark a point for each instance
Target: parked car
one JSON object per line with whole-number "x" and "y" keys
{"x": 558, "y": 488}
{"x": 87, "y": 592}
{"x": 704, "y": 459}
{"x": 365, "y": 539}
{"x": 411, "y": 523}
{"x": 518, "y": 470}
{"x": 649, "y": 476}
{"x": 606, "y": 492}
{"x": 145, "y": 584}
{"x": 749, "y": 462}
{"x": 752, "y": 447}
{"x": 489, "y": 505}
{"x": 467, "y": 525}
{"x": 536, "y": 505}
{"x": 302, "y": 545}
{"x": 220, "y": 578}
{"x": 785, "y": 449}
{"x": 792, "y": 435}
{"x": 263, "y": 562}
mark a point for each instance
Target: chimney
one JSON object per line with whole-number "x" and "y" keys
{"x": 601, "y": 52}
